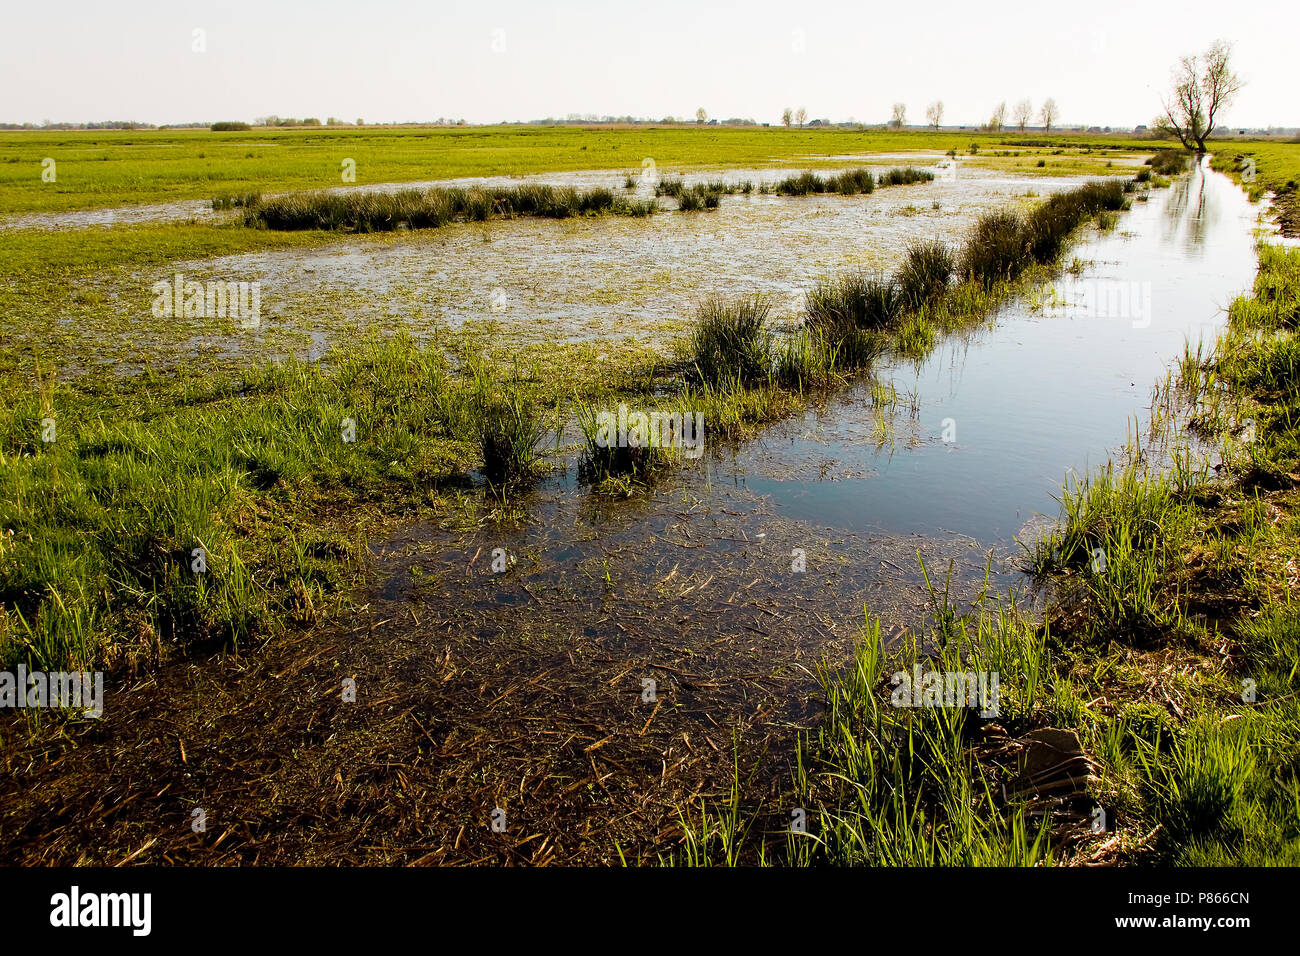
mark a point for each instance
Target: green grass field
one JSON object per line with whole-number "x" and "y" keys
{"x": 96, "y": 169}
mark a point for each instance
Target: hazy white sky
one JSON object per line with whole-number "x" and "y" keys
{"x": 1105, "y": 63}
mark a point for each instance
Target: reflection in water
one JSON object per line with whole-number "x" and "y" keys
{"x": 1040, "y": 394}
{"x": 1192, "y": 209}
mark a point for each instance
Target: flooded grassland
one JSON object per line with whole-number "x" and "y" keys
{"x": 592, "y": 665}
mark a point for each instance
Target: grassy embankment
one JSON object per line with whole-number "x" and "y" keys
{"x": 1276, "y": 169}
{"x": 1173, "y": 667}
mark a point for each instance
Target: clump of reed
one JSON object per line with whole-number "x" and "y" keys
{"x": 697, "y": 197}
{"x": 1002, "y": 244}
{"x": 432, "y": 208}
{"x": 1168, "y": 162}
{"x": 842, "y": 330}
{"x": 620, "y": 466}
{"x": 703, "y": 195}
{"x": 802, "y": 184}
{"x": 847, "y": 183}
{"x": 995, "y": 249}
{"x": 850, "y": 182}
{"x": 505, "y": 423}
{"x": 672, "y": 187}
{"x": 807, "y": 358}
{"x": 905, "y": 176}
{"x": 731, "y": 340}
{"x": 927, "y": 270}
{"x": 853, "y": 301}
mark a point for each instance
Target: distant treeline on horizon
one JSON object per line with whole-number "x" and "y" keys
{"x": 277, "y": 122}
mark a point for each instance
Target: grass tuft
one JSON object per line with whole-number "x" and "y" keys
{"x": 731, "y": 340}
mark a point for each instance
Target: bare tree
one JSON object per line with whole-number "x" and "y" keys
{"x": 1203, "y": 87}
{"x": 1024, "y": 112}
{"x": 899, "y": 116}
{"x": 1049, "y": 113}
{"x": 934, "y": 114}
{"x": 701, "y": 115}
{"x": 787, "y": 116}
{"x": 800, "y": 115}
{"x": 999, "y": 117}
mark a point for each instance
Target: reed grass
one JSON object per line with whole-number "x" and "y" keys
{"x": 506, "y": 423}
{"x": 853, "y": 301}
{"x": 850, "y": 182}
{"x": 1168, "y": 162}
{"x": 730, "y": 339}
{"x": 434, "y": 208}
{"x": 926, "y": 272}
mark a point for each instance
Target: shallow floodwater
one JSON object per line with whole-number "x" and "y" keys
{"x": 541, "y": 281}
{"x": 1043, "y": 391}
{"x": 863, "y": 492}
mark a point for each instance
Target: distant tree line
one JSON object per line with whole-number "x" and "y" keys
{"x": 107, "y": 124}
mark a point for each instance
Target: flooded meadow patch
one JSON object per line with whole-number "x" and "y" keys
{"x": 533, "y": 282}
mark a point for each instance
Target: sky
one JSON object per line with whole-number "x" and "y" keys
{"x": 406, "y": 60}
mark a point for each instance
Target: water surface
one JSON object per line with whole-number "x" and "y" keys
{"x": 1047, "y": 388}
